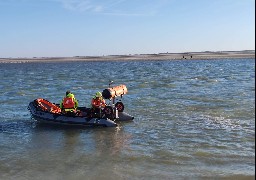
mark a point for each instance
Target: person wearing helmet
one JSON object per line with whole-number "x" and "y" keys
{"x": 97, "y": 103}
{"x": 69, "y": 104}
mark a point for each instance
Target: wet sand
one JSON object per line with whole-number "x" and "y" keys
{"x": 160, "y": 56}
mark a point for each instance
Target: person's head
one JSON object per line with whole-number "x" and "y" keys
{"x": 98, "y": 95}
{"x": 67, "y": 92}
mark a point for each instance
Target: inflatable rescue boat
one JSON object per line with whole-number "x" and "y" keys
{"x": 44, "y": 111}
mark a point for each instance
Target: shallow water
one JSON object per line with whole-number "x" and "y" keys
{"x": 193, "y": 119}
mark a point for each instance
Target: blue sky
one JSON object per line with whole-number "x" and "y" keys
{"x": 50, "y": 28}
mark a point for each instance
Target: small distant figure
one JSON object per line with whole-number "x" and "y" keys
{"x": 69, "y": 104}
{"x": 98, "y": 103}
{"x": 191, "y": 57}
{"x": 182, "y": 57}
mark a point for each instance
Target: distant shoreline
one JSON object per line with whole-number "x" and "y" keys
{"x": 161, "y": 56}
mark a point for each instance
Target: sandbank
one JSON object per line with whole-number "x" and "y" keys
{"x": 206, "y": 55}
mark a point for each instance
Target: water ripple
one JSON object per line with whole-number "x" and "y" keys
{"x": 192, "y": 119}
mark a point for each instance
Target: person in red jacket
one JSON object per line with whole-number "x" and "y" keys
{"x": 69, "y": 103}
{"x": 97, "y": 103}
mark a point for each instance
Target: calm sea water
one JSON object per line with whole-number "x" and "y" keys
{"x": 194, "y": 119}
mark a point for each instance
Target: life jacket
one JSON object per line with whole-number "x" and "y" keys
{"x": 97, "y": 102}
{"x": 68, "y": 103}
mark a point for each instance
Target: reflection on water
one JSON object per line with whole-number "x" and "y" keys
{"x": 193, "y": 119}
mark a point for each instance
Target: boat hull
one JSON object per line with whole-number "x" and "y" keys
{"x": 80, "y": 120}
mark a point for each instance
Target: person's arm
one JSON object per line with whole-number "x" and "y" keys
{"x": 76, "y": 103}
{"x": 61, "y": 104}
